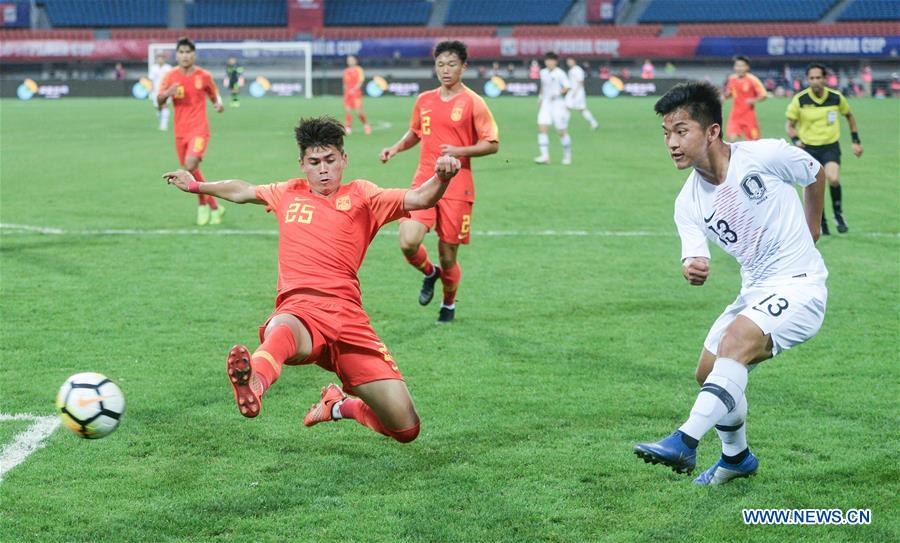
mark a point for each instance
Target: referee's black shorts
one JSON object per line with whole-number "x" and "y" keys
{"x": 830, "y": 152}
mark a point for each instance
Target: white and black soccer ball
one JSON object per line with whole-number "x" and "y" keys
{"x": 90, "y": 405}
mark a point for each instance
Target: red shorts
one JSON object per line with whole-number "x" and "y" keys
{"x": 343, "y": 341}
{"x": 453, "y": 219}
{"x": 353, "y": 102}
{"x": 191, "y": 145}
{"x": 743, "y": 126}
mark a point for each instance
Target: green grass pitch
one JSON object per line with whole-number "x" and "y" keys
{"x": 576, "y": 337}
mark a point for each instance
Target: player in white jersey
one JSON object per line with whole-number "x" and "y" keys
{"x": 156, "y": 75}
{"x": 742, "y": 198}
{"x": 576, "y": 99}
{"x": 554, "y": 86}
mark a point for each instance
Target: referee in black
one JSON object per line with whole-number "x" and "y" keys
{"x": 813, "y": 124}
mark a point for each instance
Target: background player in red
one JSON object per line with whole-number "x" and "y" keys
{"x": 449, "y": 120}
{"x": 325, "y": 229}
{"x": 353, "y": 81}
{"x": 747, "y": 90}
{"x": 189, "y": 85}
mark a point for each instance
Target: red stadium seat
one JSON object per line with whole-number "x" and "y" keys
{"x": 591, "y": 31}
{"x": 363, "y": 32}
{"x": 789, "y": 29}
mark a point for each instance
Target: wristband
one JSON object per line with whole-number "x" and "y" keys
{"x": 855, "y": 137}
{"x": 795, "y": 140}
{"x": 194, "y": 186}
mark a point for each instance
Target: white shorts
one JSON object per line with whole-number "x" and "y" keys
{"x": 554, "y": 112}
{"x": 575, "y": 99}
{"x": 791, "y": 314}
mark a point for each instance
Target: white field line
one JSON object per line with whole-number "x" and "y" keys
{"x": 8, "y": 228}
{"x": 26, "y": 442}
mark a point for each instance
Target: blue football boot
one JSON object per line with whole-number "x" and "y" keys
{"x": 721, "y": 472}
{"x": 670, "y": 451}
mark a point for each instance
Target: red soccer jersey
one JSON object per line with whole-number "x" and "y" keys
{"x": 322, "y": 241}
{"x": 353, "y": 76}
{"x": 461, "y": 121}
{"x": 190, "y": 100}
{"x": 742, "y": 89}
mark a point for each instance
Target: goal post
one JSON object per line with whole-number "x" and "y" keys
{"x": 276, "y": 64}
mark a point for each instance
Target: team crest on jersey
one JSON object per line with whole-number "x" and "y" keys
{"x": 198, "y": 83}
{"x": 343, "y": 203}
{"x": 754, "y": 188}
{"x": 457, "y": 112}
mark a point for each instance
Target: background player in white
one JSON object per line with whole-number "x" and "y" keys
{"x": 576, "y": 98}
{"x": 741, "y": 197}
{"x": 554, "y": 85}
{"x": 156, "y": 74}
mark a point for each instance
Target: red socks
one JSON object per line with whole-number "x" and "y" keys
{"x": 204, "y": 199}
{"x": 420, "y": 261}
{"x": 356, "y": 409}
{"x": 270, "y": 356}
{"x": 362, "y": 117}
{"x": 450, "y": 279}
{"x": 348, "y": 120}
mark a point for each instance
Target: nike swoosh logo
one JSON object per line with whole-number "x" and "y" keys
{"x": 301, "y": 199}
{"x": 426, "y": 111}
{"x": 84, "y": 402}
{"x": 710, "y": 217}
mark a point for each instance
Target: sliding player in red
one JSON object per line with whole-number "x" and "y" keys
{"x": 449, "y": 120}
{"x": 325, "y": 229}
{"x": 188, "y": 86}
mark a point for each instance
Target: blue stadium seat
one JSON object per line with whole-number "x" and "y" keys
{"x": 711, "y": 11}
{"x": 107, "y": 13}
{"x": 871, "y": 10}
{"x": 504, "y": 12}
{"x": 383, "y": 13}
{"x": 236, "y": 13}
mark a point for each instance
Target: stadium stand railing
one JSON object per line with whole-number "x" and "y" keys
{"x": 506, "y": 12}
{"x": 47, "y": 34}
{"x": 717, "y": 11}
{"x": 107, "y": 13}
{"x": 236, "y": 13}
{"x": 871, "y": 10}
{"x": 594, "y": 31}
{"x": 366, "y": 12}
{"x": 790, "y": 29}
{"x": 203, "y": 34}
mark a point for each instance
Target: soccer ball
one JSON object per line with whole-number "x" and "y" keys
{"x": 90, "y": 405}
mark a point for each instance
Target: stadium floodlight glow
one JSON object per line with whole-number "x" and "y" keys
{"x": 267, "y": 59}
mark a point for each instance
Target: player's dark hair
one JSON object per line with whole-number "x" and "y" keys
{"x": 321, "y": 131}
{"x": 742, "y": 58}
{"x": 699, "y": 98}
{"x": 185, "y": 42}
{"x": 458, "y": 48}
{"x": 550, "y": 55}
{"x": 815, "y": 65}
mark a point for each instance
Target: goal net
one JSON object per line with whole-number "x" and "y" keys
{"x": 282, "y": 68}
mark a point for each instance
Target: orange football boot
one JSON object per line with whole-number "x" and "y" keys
{"x": 247, "y": 389}
{"x": 321, "y": 412}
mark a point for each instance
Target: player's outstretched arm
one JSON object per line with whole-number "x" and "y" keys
{"x": 814, "y": 203}
{"x": 695, "y": 270}
{"x": 233, "y": 190}
{"x": 410, "y": 139}
{"x": 481, "y": 148}
{"x": 429, "y": 192}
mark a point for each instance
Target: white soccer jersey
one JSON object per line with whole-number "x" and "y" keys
{"x": 576, "y": 77}
{"x": 552, "y": 84}
{"x": 755, "y": 216}
{"x": 156, "y": 74}
{"x": 575, "y": 98}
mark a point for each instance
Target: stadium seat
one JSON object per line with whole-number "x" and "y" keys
{"x": 387, "y": 12}
{"x": 507, "y": 12}
{"x": 591, "y": 31}
{"x": 46, "y": 34}
{"x": 204, "y": 34}
{"x": 790, "y": 29}
{"x": 717, "y": 11}
{"x": 363, "y": 32}
{"x": 107, "y": 13}
{"x": 236, "y": 13}
{"x": 871, "y": 10}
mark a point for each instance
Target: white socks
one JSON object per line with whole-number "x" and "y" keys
{"x": 732, "y": 430}
{"x": 721, "y": 394}
{"x": 589, "y": 117}
{"x": 566, "y": 142}
{"x": 163, "y": 115}
{"x": 544, "y": 145}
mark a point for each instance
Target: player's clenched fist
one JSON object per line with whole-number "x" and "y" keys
{"x": 386, "y": 154}
{"x": 695, "y": 270}
{"x": 446, "y": 167}
{"x": 180, "y": 178}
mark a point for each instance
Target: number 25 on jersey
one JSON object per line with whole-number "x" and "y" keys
{"x": 301, "y": 213}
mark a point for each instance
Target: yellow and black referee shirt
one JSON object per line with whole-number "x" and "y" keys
{"x": 818, "y": 118}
